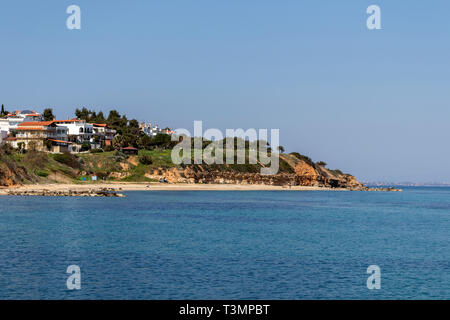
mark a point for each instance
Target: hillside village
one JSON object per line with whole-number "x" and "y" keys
{"x": 38, "y": 148}
{"x": 28, "y": 129}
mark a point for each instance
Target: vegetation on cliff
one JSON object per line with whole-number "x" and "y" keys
{"x": 154, "y": 165}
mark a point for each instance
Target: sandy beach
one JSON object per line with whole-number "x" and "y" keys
{"x": 158, "y": 187}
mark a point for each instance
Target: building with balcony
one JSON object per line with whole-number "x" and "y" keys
{"x": 41, "y": 136}
{"x": 13, "y": 120}
{"x": 79, "y": 131}
{"x": 103, "y": 135}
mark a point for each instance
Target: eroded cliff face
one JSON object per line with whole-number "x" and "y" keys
{"x": 12, "y": 176}
{"x": 11, "y": 173}
{"x": 295, "y": 170}
{"x": 6, "y": 177}
{"x": 297, "y": 173}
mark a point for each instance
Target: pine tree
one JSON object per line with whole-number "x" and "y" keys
{"x": 48, "y": 115}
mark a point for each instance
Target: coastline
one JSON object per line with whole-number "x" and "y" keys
{"x": 124, "y": 186}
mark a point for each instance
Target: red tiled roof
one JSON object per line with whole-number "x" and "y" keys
{"x": 100, "y": 124}
{"x": 10, "y": 139}
{"x": 65, "y": 121}
{"x": 46, "y": 123}
{"x": 31, "y": 129}
{"x": 60, "y": 141}
{"x": 130, "y": 148}
{"x": 35, "y": 123}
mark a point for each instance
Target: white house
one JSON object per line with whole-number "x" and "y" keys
{"x": 12, "y": 141}
{"x": 13, "y": 120}
{"x": 149, "y": 130}
{"x": 4, "y": 124}
{"x": 78, "y": 130}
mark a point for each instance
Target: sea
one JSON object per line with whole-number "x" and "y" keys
{"x": 212, "y": 245}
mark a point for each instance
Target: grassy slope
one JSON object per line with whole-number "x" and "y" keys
{"x": 44, "y": 168}
{"x": 103, "y": 163}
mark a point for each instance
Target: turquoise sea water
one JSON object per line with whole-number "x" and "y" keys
{"x": 228, "y": 245}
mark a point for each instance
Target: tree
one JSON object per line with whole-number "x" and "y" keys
{"x": 48, "y": 145}
{"x": 83, "y": 114}
{"x": 281, "y": 149}
{"x": 90, "y": 115}
{"x": 144, "y": 142}
{"x": 322, "y": 164}
{"x": 86, "y": 146}
{"x": 118, "y": 142}
{"x": 32, "y": 146}
{"x": 116, "y": 121}
{"x": 133, "y": 124}
{"x": 100, "y": 118}
{"x": 162, "y": 141}
{"x": 48, "y": 115}
{"x": 21, "y": 146}
{"x": 146, "y": 160}
{"x": 113, "y": 118}
{"x": 97, "y": 139}
{"x": 3, "y": 112}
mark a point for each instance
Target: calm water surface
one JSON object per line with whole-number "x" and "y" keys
{"x": 228, "y": 245}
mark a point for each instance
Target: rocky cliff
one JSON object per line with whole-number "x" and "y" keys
{"x": 294, "y": 171}
{"x": 11, "y": 174}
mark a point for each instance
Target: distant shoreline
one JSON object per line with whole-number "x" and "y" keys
{"x": 117, "y": 186}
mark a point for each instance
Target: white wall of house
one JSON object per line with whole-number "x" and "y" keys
{"x": 155, "y": 131}
{"x": 14, "y": 122}
{"x": 3, "y": 135}
{"x": 11, "y": 123}
{"x": 149, "y": 130}
{"x": 12, "y": 143}
{"x": 4, "y": 125}
{"x": 59, "y": 133}
{"x": 78, "y": 131}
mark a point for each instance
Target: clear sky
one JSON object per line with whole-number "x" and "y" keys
{"x": 372, "y": 103}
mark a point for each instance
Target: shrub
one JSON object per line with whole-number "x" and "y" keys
{"x": 42, "y": 173}
{"x": 48, "y": 144}
{"x": 86, "y": 146}
{"x": 67, "y": 159}
{"x": 96, "y": 150}
{"x": 35, "y": 158}
{"x": 337, "y": 172}
{"x": 285, "y": 167}
{"x": 109, "y": 148}
{"x": 119, "y": 156}
{"x": 145, "y": 160}
{"x": 302, "y": 157}
{"x": 32, "y": 146}
{"x": 6, "y": 149}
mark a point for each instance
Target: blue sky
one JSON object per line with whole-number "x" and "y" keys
{"x": 372, "y": 103}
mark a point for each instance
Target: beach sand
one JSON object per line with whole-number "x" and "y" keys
{"x": 158, "y": 187}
